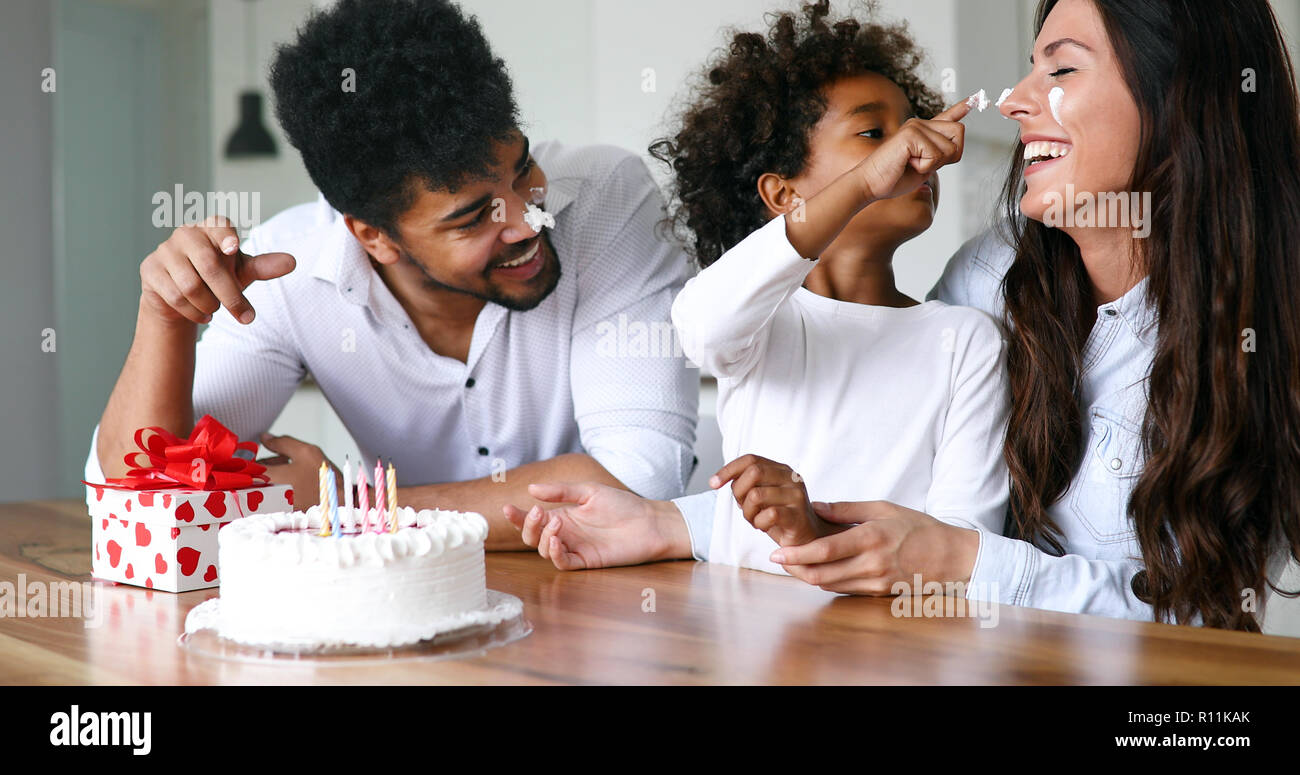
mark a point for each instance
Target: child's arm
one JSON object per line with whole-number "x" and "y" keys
{"x": 773, "y": 499}
{"x": 900, "y": 166}
{"x": 969, "y": 484}
{"x": 723, "y": 314}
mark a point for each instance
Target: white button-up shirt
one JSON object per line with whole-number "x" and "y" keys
{"x": 572, "y": 375}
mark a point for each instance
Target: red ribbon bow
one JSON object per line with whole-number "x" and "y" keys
{"x": 204, "y": 461}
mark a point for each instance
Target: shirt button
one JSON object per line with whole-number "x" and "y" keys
{"x": 1116, "y": 464}
{"x": 483, "y": 451}
{"x": 469, "y": 383}
{"x": 1110, "y": 313}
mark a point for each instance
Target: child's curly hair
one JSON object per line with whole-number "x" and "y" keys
{"x": 758, "y": 101}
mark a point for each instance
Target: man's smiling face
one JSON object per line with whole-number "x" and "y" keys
{"x": 475, "y": 240}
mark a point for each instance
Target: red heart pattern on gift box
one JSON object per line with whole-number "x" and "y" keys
{"x": 188, "y": 557}
{"x": 216, "y": 504}
{"x": 185, "y": 561}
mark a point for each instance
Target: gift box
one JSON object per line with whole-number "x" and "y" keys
{"x": 157, "y": 528}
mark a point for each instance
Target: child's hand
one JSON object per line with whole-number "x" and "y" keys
{"x": 912, "y": 156}
{"x": 603, "y": 527}
{"x": 773, "y": 498}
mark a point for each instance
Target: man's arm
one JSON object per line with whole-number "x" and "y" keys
{"x": 489, "y": 496}
{"x": 636, "y": 409}
{"x": 154, "y": 388}
{"x": 191, "y": 276}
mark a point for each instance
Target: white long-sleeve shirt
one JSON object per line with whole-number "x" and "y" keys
{"x": 863, "y": 402}
{"x": 557, "y": 379}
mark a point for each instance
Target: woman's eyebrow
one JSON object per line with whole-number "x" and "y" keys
{"x": 1051, "y": 48}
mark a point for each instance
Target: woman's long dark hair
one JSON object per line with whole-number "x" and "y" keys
{"x": 1220, "y": 155}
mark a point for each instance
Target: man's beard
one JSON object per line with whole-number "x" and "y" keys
{"x": 550, "y": 279}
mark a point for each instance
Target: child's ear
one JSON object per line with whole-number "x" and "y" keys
{"x": 778, "y": 194}
{"x": 376, "y": 243}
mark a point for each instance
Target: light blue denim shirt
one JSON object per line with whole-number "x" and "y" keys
{"x": 1102, "y": 554}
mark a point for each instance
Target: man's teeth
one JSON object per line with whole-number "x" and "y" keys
{"x": 1042, "y": 149}
{"x": 524, "y": 259}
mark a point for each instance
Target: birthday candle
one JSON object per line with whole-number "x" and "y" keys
{"x": 324, "y": 501}
{"x": 334, "y": 503}
{"x": 363, "y": 495}
{"x": 392, "y": 496}
{"x": 347, "y": 482}
{"x": 379, "y": 495}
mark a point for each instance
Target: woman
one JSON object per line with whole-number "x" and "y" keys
{"x": 1154, "y": 436}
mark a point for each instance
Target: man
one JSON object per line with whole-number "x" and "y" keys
{"x": 455, "y": 332}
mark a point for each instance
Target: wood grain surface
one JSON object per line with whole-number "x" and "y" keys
{"x": 709, "y": 625}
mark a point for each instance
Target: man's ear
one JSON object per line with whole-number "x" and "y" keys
{"x": 377, "y": 243}
{"x": 778, "y": 194}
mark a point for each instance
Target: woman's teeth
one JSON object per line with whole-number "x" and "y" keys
{"x": 524, "y": 259}
{"x": 1042, "y": 150}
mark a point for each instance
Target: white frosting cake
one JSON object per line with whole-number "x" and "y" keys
{"x": 283, "y": 584}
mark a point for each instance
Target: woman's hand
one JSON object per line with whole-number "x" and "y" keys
{"x": 773, "y": 499}
{"x": 601, "y": 527}
{"x": 887, "y": 544}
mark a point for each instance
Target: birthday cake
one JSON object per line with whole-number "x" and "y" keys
{"x": 284, "y": 583}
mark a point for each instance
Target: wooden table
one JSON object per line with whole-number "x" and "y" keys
{"x": 710, "y": 625}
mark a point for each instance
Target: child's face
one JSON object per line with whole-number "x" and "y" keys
{"x": 862, "y": 112}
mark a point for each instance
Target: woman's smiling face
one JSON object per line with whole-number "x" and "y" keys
{"x": 1094, "y": 145}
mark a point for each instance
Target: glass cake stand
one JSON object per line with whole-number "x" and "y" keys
{"x": 499, "y": 623}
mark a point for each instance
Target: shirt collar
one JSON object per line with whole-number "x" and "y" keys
{"x": 1137, "y": 312}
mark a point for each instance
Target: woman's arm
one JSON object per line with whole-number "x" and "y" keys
{"x": 891, "y": 544}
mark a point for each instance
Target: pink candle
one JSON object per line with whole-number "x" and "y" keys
{"x": 379, "y": 493}
{"x": 363, "y": 496}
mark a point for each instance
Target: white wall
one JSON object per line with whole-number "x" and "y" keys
{"x": 281, "y": 182}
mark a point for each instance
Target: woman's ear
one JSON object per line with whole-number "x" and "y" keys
{"x": 376, "y": 243}
{"x": 778, "y": 194}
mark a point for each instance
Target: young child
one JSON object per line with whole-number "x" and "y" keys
{"x": 799, "y": 173}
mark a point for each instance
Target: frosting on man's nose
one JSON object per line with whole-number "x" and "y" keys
{"x": 537, "y": 218}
